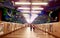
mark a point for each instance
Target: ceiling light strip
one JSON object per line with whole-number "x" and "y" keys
{"x": 29, "y": 8}
{"x": 28, "y": 3}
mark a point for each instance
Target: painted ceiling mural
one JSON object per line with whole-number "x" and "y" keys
{"x": 34, "y": 10}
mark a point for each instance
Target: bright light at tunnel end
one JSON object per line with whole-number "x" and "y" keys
{"x": 30, "y": 20}
{"x": 33, "y": 17}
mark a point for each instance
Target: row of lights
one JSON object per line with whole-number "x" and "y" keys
{"x": 26, "y": 8}
{"x": 29, "y": 8}
{"x": 28, "y": 3}
{"x": 33, "y": 12}
{"x": 33, "y": 16}
{"x": 28, "y": 19}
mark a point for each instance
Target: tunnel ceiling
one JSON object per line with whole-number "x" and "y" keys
{"x": 34, "y": 7}
{"x": 28, "y": 7}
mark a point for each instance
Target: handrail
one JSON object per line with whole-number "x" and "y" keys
{"x": 47, "y": 32}
{"x": 11, "y": 32}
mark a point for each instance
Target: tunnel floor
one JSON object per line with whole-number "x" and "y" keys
{"x": 27, "y": 33}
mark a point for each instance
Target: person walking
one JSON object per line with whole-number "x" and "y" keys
{"x": 31, "y": 27}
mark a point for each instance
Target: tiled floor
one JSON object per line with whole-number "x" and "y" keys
{"x": 26, "y": 33}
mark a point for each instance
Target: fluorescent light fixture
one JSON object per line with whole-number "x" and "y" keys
{"x": 39, "y": 3}
{"x": 33, "y": 12}
{"x": 28, "y": 3}
{"x": 34, "y": 16}
{"x": 37, "y": 8}
{"x": 29, "y": 8}
{"x": 25, "y": 11}
{"x": 27, "y": 17}
{"x": 22, "y": 3}
{"x": 23, "y": 8}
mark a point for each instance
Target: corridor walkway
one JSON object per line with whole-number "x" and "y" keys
{"x": 26, "y": 33}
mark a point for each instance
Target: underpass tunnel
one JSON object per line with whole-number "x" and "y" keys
{"x": 29, "y": 18}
